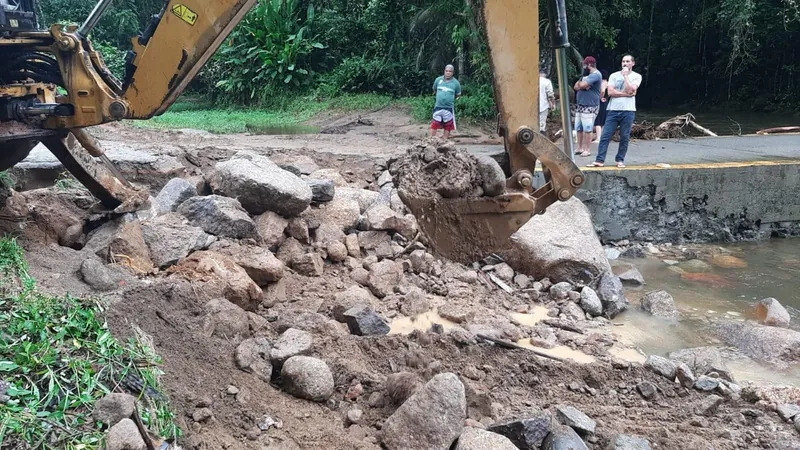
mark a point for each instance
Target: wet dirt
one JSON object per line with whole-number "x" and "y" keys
{"x": 199, "y": 367}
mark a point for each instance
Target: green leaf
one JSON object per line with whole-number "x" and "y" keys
{"x": 288, "y": 78}
{"x": 8, "y": 366}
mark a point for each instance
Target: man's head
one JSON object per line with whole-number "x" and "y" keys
{"x": 628, "y": 62}
{"x": 543, "y": 73}
{"x": 448, "y": 71}
{"x": 590, "y": 62}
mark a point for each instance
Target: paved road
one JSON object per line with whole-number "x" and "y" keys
{"x": 706, "y": 150}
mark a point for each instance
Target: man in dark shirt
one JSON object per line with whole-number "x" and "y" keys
{"x": 587, "y": 104}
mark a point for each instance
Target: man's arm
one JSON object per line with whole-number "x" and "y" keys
{"x": 613, "y": 92}
{"x": 581, "y": 85}
{"x": 630, "y": 88}
{"x": 548, "y": 87}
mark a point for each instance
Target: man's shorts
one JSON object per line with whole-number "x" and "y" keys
{"x": 443, "y": 119}
{"x": 584, "y": 118}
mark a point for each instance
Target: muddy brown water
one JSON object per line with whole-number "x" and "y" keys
{"x": 773, "y": 270}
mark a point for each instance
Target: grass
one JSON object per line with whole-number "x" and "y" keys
{"x": 282, "y": 112}
{"x": 57, "y": 358}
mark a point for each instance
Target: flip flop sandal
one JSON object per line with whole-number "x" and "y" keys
{"x": 595, "y": 164}
{"x": 621, "y": 165}
{"x": 585, "y": 154}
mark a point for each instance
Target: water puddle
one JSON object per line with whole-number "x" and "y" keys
{"x": 725, "y": 288}
{"x": 422, "y": 322}
{"x": 536, "y": 315}
{"x": 628, "y": 354}
{"x": 559, "y": 351}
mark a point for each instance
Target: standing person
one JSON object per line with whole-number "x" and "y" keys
{"x": 587, "y": 100}
{"x": 622, "y": 88}
{"x": 601, "y": 116}
{"x": 447, "y": 89}
{"x": 547, "y": 100}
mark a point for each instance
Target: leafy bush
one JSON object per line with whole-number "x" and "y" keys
{"x": 362, "y": 74}
{"x": 271, "y": 48}
{"x": 113, "y": 57}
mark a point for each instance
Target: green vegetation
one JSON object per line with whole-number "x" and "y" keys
{"x": 58, "y": 358}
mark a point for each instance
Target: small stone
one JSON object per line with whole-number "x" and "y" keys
{"x": 298, "y": 229}
{"x": 232, "y": 390}
{"x": 646, "y": 389}
{"x": 662, "y": 366}
{"x": 360, "y": 276}
{"x": 292, "y": 342}
{"x": 564, "y": 438}
{"x": 590, "y": 302}
{"x": 660, "y": 304}
{"x": 770, "y": 312}
{"x": 337, "y": 251}
{"x": 202, "y": 414}
{"x": 708, "y": 406}
{"x": 612, "y": 295}
{"x": 310, "y": 265}
{"x": 527, "y": 433}
{"x": 788, "y": 411}
{"x": 308, "y": 378}
{"x": 456, "y": 313}
{"x": 572, "y": 417}
{"x": 468, "y": 276}
{"x": 628, "y": 442}
{"x": 612, "y": 254}
{"x": 114, "y": 407}
{"x": 322, "y": 191}
{"x": 685, "y": 375}
{"x": 124, "y": 436}
{"x": 253, "y": 434}
{"x": 355, "y": 416}
{"x": 363, "y": 321}
{"x": 560, "y": 290}
{"x": 631, "y": 277}
{"x": 353, "y": 247}
{"x": 504, "y": 272}
{"x": 706, "y": 384}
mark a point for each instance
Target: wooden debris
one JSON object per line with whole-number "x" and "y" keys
{"x": 779, "y": 130}
{"x": 501, "y": 283}
{"x": 511, "y": 345}
{"x": 564, "y": 325}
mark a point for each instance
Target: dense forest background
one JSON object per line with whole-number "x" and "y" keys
{"x": 702, "y": 53}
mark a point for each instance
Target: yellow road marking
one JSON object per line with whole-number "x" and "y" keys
{"x": 718, "y": 165}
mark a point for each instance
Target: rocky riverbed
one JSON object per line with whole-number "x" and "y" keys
{"x": 274, "y": 288}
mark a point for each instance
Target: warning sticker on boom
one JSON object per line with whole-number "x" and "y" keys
{"x": 185, "y": 14}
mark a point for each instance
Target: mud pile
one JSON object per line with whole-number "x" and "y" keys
{"x": 335, "y": 328}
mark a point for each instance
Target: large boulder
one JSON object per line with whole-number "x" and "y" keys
{"x": 770, "y": 312}
{"x": 308, "y": 378}
{"x": 260, "y": 185}
{"x": 660, "y": 304}
{"x": 220, "y": 216}
{"x": 431, "y": 419}
{"x": 170, "y": 238}
{"x": 222, "y": 271}
{"x": 560, "y": 244}
{"x": 175, "y": 192}
{"x": 779, "y": 346}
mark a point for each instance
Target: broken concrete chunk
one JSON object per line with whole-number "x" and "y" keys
{"x": 364, "y": 321}
{"x": 260, "y": 185}
{"x": 220, "y": 216}
{"x": 175, "y": 192}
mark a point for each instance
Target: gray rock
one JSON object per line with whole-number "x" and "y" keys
{"x": 384, "y": 179}
{"x": 477, "y": 439}
{"x": 660, "y": 304}
{"x": 662, "y": 366}
{"x": 788, "y": 411}
{"x": 431, "y": 419}
{"x": 383, "y": 218}
{"x": 778, "y": 346}
{"x": 308, "y": 378}
{"x": 522, "y": 281}
{"x": 612, "y": 253}
{"x": 504, "y": 272}
{"x": 171, "y": 239}
{"x": 612, "y": 296}
{"x": 415, "y": 302}
{"x": 560, "y": 290}
{"x": 561, "y": 244}
{"x": 363, "y": 321}
{"x": 526, "y": 434}
{"x": 260, "y": 185}
{"x": 175, "y": 192}
{"x": 270, "y": 228}
{"x": 706, "y": 384}
{"x": 685, "y": 375}
{"x": 421, "y": 261}
{"x": 293, "y": 342}
{"x": 590, "y": 302}
{"x": 708, "y": 406}
{"x": 364, "y": 197}
{"x": 220, "y": 216}
{"x": 309, "y": 264}
{"x": 322, "y": 191}
{"x": 494, "y": 179}
{"x": 628, "y": 442}
{"x": 297, "y": 164}
{"x": 563, "y": 438}
{"x": 695, "y": 266}
{"x": 770, "y": 312}
{"x": 633, "y": 252}
{"x": 99, "y": 276}
{"x": 573, "y": 311}
{"x": 632, "y": 277}
{"x": 646, "y": 389}
{"x": 355, "y": 416}
{"x": 797, "y": 423}
{"x": 252, "y": 355}
{"x": 699, "y": 359}
{"x": 298, "y": 229}
{"x": 124, "y": 436}
{"x": 337, "y": 251}
{"x": 352, "y": 297}
{"x": 114, "y": 407}
{"x": 384, "y": 276}
{"x": 327, "y": 233}
{"x": 572, "y": 417}
{"x": 343, "y": 213}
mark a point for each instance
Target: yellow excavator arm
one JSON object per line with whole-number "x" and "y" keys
{"x": 180, "y": 40}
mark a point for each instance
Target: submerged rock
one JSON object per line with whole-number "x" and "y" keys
{"x": 770, "y": 312}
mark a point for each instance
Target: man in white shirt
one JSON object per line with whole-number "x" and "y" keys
{"x": 546, "y": 99}
{"x": 622, "y": 87}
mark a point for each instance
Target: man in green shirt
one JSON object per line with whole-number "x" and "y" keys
{"x": 447, "y": 89}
